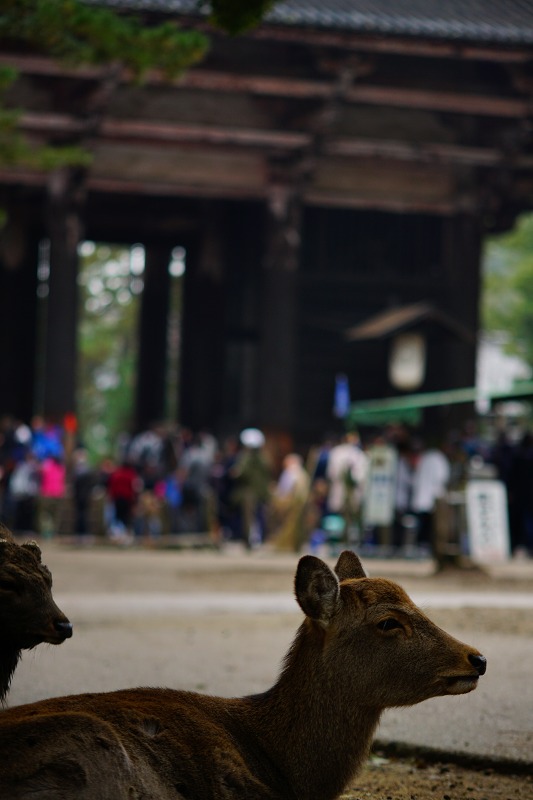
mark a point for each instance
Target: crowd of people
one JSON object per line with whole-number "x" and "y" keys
{"x": 172, "y": 481}
{"x": 33, "y": 477}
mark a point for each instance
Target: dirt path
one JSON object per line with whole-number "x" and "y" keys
{"x": 417, "y": 779}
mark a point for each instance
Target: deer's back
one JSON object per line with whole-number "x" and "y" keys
{"x": 158, "y": 742}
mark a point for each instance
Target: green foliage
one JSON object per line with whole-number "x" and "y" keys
{"x": 110, "y": 282}
{"x": 236, "y": 16}
{"x": 16, "y": 150}
{"x": 7, "y": 77}
{"x": 79, "y": 33}
{"x": 508, "y": 287}
{"x": 109, "y": 307}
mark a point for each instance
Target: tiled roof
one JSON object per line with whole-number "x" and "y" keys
{"x": 391, "y": 321}
{"x": 496, "y": 21}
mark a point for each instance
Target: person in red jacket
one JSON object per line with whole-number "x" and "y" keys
{"x": 123, "y": 488}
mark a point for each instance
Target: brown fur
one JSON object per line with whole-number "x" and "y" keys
{"x": 28, "y": 613}
{"x": 304, "y": 739}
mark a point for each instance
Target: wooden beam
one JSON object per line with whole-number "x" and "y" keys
{"x": 453, "y": 102}
{"x": 203, "y": 134}
{"x": 159, "y": 134}
{"x": 312, "y": 197}
{"x": 203, "y": 79}
{"x": 48, "y": 123}
{"x": 160, "y": 188}
{"x": 41, "y": 65}
{"x": 396, "y": 96}
{"x": 400, "y": 45}
{"x": 147, "y": 187}
{"x": 425, "y": 152}
{"x": 390, "y": 204}
{"x": 277, "y": 86}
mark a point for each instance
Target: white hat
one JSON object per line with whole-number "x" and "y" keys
{"x": 252, "y": 437}
{"x": 23, "y": 434}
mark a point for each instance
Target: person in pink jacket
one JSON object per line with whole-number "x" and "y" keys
{"x": 52, "y": 494}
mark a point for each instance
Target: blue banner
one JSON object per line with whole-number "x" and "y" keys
{"x": 341, "y": 404}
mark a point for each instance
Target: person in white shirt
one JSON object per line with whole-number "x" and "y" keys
{"x": 430, "y": 481}
{"x": 346, "y": 472}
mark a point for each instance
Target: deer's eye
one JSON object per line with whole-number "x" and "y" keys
{"x": 389, "y": 624}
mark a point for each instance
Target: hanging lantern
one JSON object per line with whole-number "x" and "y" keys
{"x": 407, "y": 361}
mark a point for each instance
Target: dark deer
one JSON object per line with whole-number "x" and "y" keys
{"x": 363, "y": 646}
{"x": 28, "y": 613}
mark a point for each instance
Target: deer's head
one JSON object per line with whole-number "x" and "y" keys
{"x": 28, "y": 613}
{"x": 392, "y": 654}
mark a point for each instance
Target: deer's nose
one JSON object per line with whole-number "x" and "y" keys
{"x": 64, "y": 628}
{"x": 479, "y": 663}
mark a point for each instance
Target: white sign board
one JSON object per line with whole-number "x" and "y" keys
{"x": 487, "y": 521}
{"x": 380, "y": 486}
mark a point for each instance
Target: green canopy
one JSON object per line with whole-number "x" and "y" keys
{"x": 408, "y": 408}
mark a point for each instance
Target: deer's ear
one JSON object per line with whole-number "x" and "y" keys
{"x": 317, "y": 589}
{"x": 34, "y": 548}
{"x": 5, "y": 533}
{"x": 348, "y": 566}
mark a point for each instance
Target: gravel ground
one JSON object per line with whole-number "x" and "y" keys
{"x": 417, "y": 779}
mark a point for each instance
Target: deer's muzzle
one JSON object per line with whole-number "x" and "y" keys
{"x": 64, "y": 629}
{"x": 466, "y": 682}
{"x": 57, "y": 632}
{"x": 479, "y": 663}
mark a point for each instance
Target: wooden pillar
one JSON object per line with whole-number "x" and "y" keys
{"x": 18, "y": 314}
{"x": 463, "y": 267}
{"x": 66, "y": 194}
{"x": 278, "y": 334}
{"x": 452, "y": 362}
{"x": 203, "y": 328}
{"x": 153, "y": 346}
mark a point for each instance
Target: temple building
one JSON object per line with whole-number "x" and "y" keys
{"x": 331, "y": 176}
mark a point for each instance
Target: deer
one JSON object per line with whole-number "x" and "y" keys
{"x": 28, "y": 613}
{"x": 363, "y": 646}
